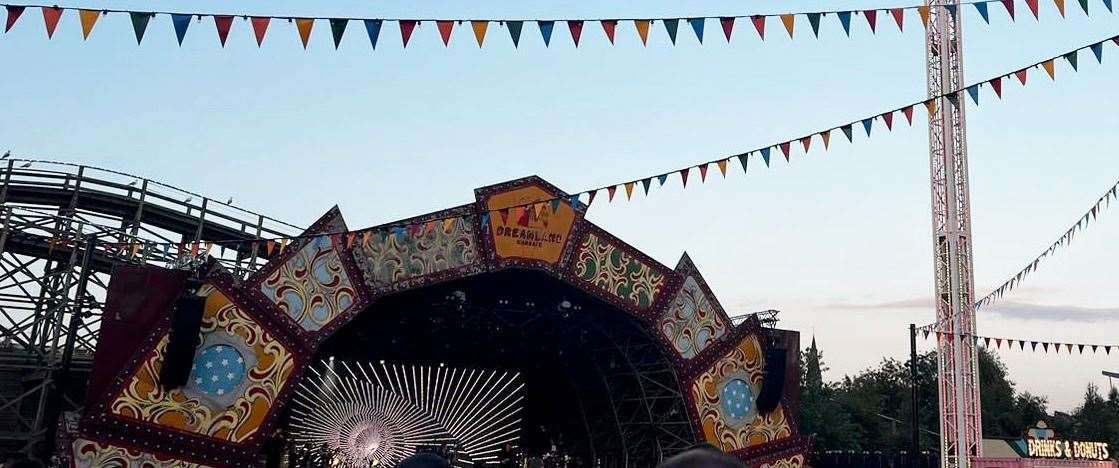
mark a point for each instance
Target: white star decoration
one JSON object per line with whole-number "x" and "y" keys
{"x": 209, "y": 364}
{"x": 225, "y": 362}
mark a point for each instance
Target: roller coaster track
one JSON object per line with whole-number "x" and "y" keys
{"x": 50, "y": 214}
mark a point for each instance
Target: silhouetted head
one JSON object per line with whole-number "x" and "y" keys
{"x": 424, "y": 460}
{"x": 702, "y": 456}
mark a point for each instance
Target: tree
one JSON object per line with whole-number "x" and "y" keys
{"x": 821, "y": 414}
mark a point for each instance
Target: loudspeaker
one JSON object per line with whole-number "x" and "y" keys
{"x": 186, "y": 321}
{"x": 773, "y": 385}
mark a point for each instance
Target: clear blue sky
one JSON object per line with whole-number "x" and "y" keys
{"x": 839, "y": 241}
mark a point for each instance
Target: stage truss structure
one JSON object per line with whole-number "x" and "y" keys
{"x": 382, "y": 413}
{"x": 960, "y": 414}
{"x": 61, "y": 230}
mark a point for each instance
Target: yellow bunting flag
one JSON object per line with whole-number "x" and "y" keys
{"x": 209, "y": 246}
{"x": 930, "y": 105}
{"x": 89, "y": 18}
{"x": 480, "y": 27}
{"x": 304, "y": 26}
{"x": 723, "y": 166}
{"x": 448, "y": 225}
{"x": 643, "y": 30}
{"x": 366, "y": 237}
{"x": 789, "y": 21}
{"x": 1048, "y": 66}
{"x": 924, "y": 12}
{"x": 629, "y": 190}
{"x": 538, "y": 208}
{"x": 283, "y": 245}
{"x": 1060, "y": 6}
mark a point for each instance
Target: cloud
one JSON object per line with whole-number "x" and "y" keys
{"x": 1009, "y": 309}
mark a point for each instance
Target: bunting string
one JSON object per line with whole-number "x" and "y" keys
{"x": 524, "y": 213}
{"x": 1009, "y": 343}
{"x": 223, "y": 22}
{"x": 1102, "y": 204}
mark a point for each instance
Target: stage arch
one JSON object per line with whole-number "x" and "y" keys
{"x": 634, "y": 359}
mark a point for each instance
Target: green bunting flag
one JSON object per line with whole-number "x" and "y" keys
{"x": 140, "y": 24}
{"x": 671, "y": 26}
{"x": 515, "y": 31}
{"x": 337, "y": 29}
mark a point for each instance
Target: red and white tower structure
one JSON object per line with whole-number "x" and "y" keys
{"x": 960, "y": 415}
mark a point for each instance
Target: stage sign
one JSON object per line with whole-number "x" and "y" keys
{"x": 530, "y": 232}
{"x": 1067, "y": 449}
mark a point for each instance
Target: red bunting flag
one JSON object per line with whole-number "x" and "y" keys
{"x": 908, "y": 113}
{"x": 445, "y": 27}
{"x": 590, "y": 198}
{"x": 51, "y": 16}
{"x": 889, "y": 119}
{"x": 610, "y": 192}
{"x": 871, "y": 19}
{"x": 304, "y": 25}
{"x": 703, "y": 172}
{"x": 268, "y": 247}
{"x": 759, "y": 24}
{"x": 1021, "y": 75}
{"x": 576, "y": 28}
{"x": 806, "y": 142}
{"x": 785, "y": 150}
{"x": 728, "y": 26}
{"x": 406, "y": 28}
{"x": 609, "y": 27}
{"x": 260, "y": 27}
{"x": 350, "y": 240}
{"x": 1033, "y": 7}
{"x": 899, "y": 18}
{"x": 223, "y": 23}
{"x": 13, "y": 15}
{"x": 826, "y": 136}
{"x": 504, "y": 215}
{"x": 684, "y": 176}
{"x": 996, "y": 84}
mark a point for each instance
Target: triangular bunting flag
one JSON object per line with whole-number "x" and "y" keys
{"x": 1045, "y": 346}
{"x": 642, "y": 27}
{"x": 609, "y": 27}
{"x": 181, "y": 23}
{"x": 888, "y": 117}
{"x": 515, "y": 28}
{"x": 996, "y": 84}
{"x": 338, "y": 30}
{"x": 139, "y": 24}
{"x": 765, "y": 156}
{"x": 923, "y": 12}
{"x": 806, "y": 142}
{"x": 88, "y": 19}
{"x": 871, "y": 19}
{"x": 260, "y": 27}
{"x": 998, "y": 343}
{"x": 480, "y": 27}
{"x": 445, "y": 27}
{"x": 1033, "y": 345}
{"x": 671, "y": 26}
{"x": 899, "y": 18}
{"x": 907, "y": 111}
{"x": 1060, "y": 6}
{"x": 1033, "y": 7}
{"x": 13, "y": 15}
{"x": 697, "y": 27}
{"x": 51, "y": 16}
{"x": 930, "y": 106}
{"x": 759, "y": 25}
{"x": 1008, "y": 4}
{"x": 1107, "y": 4}
{"x": 373, "y": 30}
{"x": 406, "y": 28}
{"x": 847, "y": 132}
{"x": 981, "y": 7}
{"x": 269, "y": 247}
{"x": 1084, "y": 6}
{"x": 684, "y": 176}
{"x": 728, "y": 26}
{"x": 645, "y": 183}
{"x": 1049, "y": 69}
{"x": 1021, "y": 75}
{"x": 304, "y": 26}
{"x": 867, "y": 123}
{"x": 986, "y": 342}
{"x": 223, "y": 23}
{"x": 1107, "y": 349}
{"x": 1081, "y": 349}
{"x": 546, "y": 31}
{"x": 661, "y": 179}
{"x": 576, "y": 29}
{"x": 556, "y": 204}
{"x": 1072, "y": 59}
{"x": 785, "y": 150}
{"x": 1068, "y": 347}
{"x": 703, "y": 172}
{"x": 973, "y": 91}
{"x": 826, "y": 137}
{"x": 1097, "y": 50}
{"x": 1094, "y": 348}
{"x": 742, "y": 159}
{"x": 629, "y": 190}
{"x": 789, "y": 21}
{"x": 610, "y": 192}
{"x": 845, "y": 21}
{"x": 590, "y": 198}
{"x": 722, "y": 164}
{"x": 814, "y": 21}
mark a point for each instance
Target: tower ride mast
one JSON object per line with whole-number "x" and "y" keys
{"x": 960, "y": 414}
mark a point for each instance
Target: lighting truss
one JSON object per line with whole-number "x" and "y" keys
{"x": 382, "y": 413}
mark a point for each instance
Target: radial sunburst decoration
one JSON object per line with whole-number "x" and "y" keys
{"x": 382, "y": 413}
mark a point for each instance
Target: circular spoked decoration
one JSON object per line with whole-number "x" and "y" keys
{"x": 381, "y": 414}
{"x": 737, "y": 399}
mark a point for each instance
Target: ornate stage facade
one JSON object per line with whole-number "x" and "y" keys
{"x": 635, "y": 359}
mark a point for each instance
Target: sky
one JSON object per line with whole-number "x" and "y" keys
{"x": 840, "y": 241}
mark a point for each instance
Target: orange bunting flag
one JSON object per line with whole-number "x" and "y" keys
{"x": 194, "y": 249}
{"x": 930, "y": 106}
{"x": 445, "y": 27}
{"x": 899, "y": 18}
{"x": 826, "y": 136}
{"x": 789, "y": 21}
{"x": 1048, "y": 66}
{"x": 350, "y": 240}
{"x": 89, "y": 18}
{"x": 703, "y": 172}
{"x": 304, "y": 25}
{"x": 642, "y": 30}
{"x": 684, "y": 176}
{"x": 785, "y": 150}
{"x": 610, "y": 192}
{"x": 51, "y": 16}
{"x": 908, "y": 113}
{"x": 723, "y": 166}
{"x": 260, "y": 26}
{"x": 448, "y": 225}
{"x": 629, "y": 190}
{"x": 480, "y": 28}
{"x": 1060, "y": 6}
{"x": 806, "y": 142}
{"x": 223, "y": 23}
{"x": 365, "y": 238}
{"x": 924, "y": 12}
{"x": 889, "y": 119}
{"x": 1021, "y": 75}
{"x": 269, "y": 247}
{"x": 759, "y": 24}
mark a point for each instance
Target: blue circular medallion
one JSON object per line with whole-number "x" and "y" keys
{"x": 737, "y": 399}
{"x": 218, "y": 370}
